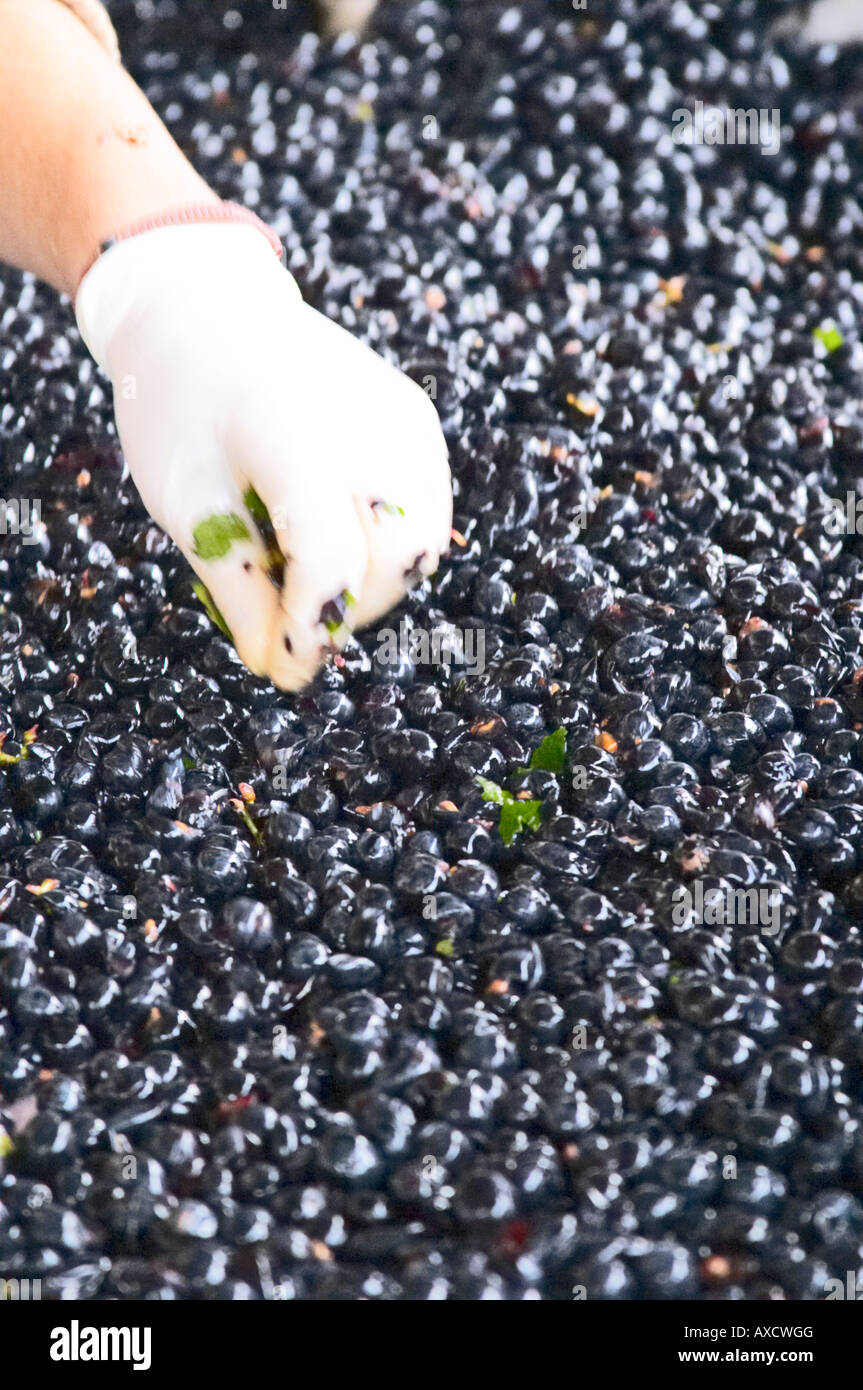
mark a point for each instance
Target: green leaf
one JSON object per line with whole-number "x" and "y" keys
{"x": 828, "y": 334}
{"x": 212, "y": 611}
{"x": 214, "y": 537}
{"x": 493, "y": 793}
{"x": 337, "y": 609}
{"x": 13, "y": 757}
{"x": 274, "y": 560}
{"x": 516, "y": 816}
{"x": 257, "y": 507}
{"x": 444, "y": 947}
{"x": 391, "y": 508}
{"x": 550, "y": 756}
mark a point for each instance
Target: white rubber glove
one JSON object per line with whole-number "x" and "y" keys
{"x": 834, "y": 21}
{"x": 822, "y": 22}
{"x": 225, "y": 381}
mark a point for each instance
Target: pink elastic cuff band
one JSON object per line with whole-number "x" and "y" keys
{"x": 188, "y": 216}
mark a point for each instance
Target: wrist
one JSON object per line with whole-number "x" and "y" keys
{"x": 120, "y": 205}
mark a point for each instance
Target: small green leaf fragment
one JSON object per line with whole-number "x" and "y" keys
{"x": 210, "y": 608}
{"x": 257, "y": 507}
{"x": 6, "y": 1145}
{"x": 550, "y": 756}
{"x": 516, "y": 816}
{"x": 274, "y": 560}
{"x": 828, "y": 334}
{"x": 493, "y": 793}
{"x": 334, "y": 611}
{"x": 444, "y": 947}
{"x": 8, "y": 758}
{"x": 214, "y": 537}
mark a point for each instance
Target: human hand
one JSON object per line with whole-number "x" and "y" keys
{"x": 235, "y": 399}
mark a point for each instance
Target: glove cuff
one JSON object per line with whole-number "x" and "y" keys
{"x": 188, "y": 216}
{"x": 166, "y": 261}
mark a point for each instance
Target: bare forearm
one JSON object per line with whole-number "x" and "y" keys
{"x": 82, "y": 153}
